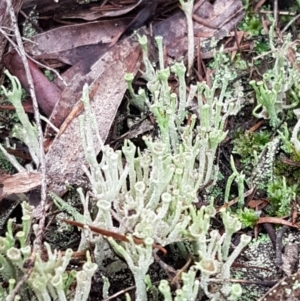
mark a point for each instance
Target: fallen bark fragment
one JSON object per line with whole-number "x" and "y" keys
{"x": 19, "y": 183}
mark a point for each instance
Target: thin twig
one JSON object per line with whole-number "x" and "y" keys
{"x": 275, "y": 14}
{"x": 204, "y": 22}
{"x": 289, "y": 24}
{"x": 178, "y": 275}
{"x": 130, "y": 288}
{"x": 259, "y": 5}
{"x": 281, "y": 13}
{"x": 170, "y": 271}
{"x": 261, "y": 283}
{"x": 38, "y": 240}
{"x": 112, "y": 234}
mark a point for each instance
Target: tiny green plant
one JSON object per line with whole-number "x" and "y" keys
{"x": 248, "y": 217}
{"x": 280, "y": 196}
{"x": 251, "y": 23}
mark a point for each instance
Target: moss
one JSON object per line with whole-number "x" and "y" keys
{"x": 247, "y": 145}
{"x": 289, "y": 171}
{"x": 280, "y": 196}
{"x": 248, "y": 217}
{"x": 251, "y": 23}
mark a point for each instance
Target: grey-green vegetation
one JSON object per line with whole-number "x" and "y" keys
{"x": 152, "y": 192}
{"x": 152, "y": 195}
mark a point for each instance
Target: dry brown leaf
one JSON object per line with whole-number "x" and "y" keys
{"x": 222, "y": 16}
{"x": 73, "y": 43}
{"x": 257, "y": 204}
{"x": 70, "y": 44}
{"x": 47, "y": 93}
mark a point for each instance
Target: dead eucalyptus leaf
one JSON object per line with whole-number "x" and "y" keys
{"x": 47, "y": 92}
{"x": 70, "y": 44}
{"x": 56, "y": 44}
{"x": 66, "y": 156}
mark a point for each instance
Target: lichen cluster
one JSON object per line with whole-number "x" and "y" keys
{"x": 152, "y": 193}
{"x": 49, "y": 279}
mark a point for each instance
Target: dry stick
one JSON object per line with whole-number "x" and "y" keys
{"x": 112, "y": 234}
{"x": 275, "y": 13}
{"x": 280, "y": 13}
{"x": 233, "y": 15}
{"x": 199, "y": 62}
{"x": 38, "y": 240}
{"x": 182, "y": 270}
{"x": 170, "y": 271}
{"x": 242, "y": 281}
{"x": 187, "y": 8}
{"x": 289, "y": 24}
{"x": 124, "y": 291}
